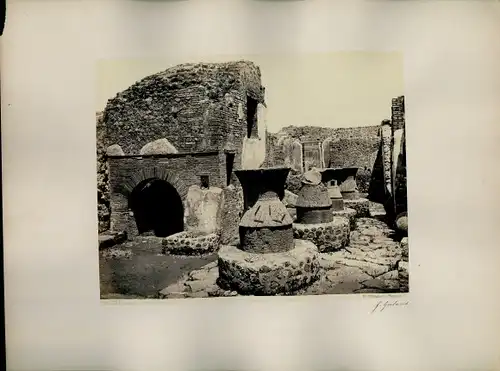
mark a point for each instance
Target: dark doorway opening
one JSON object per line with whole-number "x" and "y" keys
{"x": 229, "y": 167}
{"x": 252, "y": 129}
{"x": 157, "y": 208}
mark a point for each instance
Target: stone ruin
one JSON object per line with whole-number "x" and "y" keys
{"x": 268, "y": 260}
{"x": 330, "y": 179}
{"x": 203, "y": 221}
{"x": 195, "y": 133}
{"x": 346, "y": 179}
{"x": 315, "y": 220}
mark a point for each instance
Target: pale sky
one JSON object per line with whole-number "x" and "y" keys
{"x": 340, "y": 89}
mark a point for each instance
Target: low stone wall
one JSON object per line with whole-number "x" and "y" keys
{"x": 188, "y": 243}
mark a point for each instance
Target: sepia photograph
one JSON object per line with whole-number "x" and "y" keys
{"x": 252, "y": 175}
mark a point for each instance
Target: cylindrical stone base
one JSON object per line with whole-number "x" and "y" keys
{"x": 361, "y": 205}
{"x": 353, "y": 195}
{"x": 337, "y": 204}
{"x": 326, "y": 236}
{"x": 187, "y": 243}
{"x": 266, "y": 240}
{"x": 314, "y": 215}
{"x": 268, "y": 274}
{"x": 347, "y": 213}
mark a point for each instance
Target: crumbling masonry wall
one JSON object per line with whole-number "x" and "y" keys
{"x": 103, "y": 210}
{"x": 197, "y": 107}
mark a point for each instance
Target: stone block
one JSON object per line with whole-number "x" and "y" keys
{"x": 203, "y": 209}
{"x": 268, "y": 274}
{"x": 232, "y": 210}
{"x": 404, "y": 249}
{"x": 326, "y": 236}
{"x": 403, "y": 276}
{"x": 361, "y": 205}
{"x": 290, "y": 199}
{"x": 347, "y": 213}
{"x": 110, "y": 239}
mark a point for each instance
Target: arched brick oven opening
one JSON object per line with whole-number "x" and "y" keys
{"x": 157, "y": 207}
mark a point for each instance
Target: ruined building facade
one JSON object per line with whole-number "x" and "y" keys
{"x": 176, "y": 126}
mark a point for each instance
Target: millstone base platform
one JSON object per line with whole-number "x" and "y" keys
{"x": 190, "y": 243}
{"x": 326, "y": 236}
{"x": 347, "y": 213}
{"x": 269, "y": 273}
{"x": 361, "y": 205}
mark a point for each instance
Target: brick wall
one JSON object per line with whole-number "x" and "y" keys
{"x": 195, "y": 106}
{"x": 180, "y": 170}
{"x": 398, "y": 113}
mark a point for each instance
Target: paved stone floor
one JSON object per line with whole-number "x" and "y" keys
{"x": 368, "y": 265}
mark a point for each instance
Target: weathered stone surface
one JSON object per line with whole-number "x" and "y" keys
{"x": 403, "y": 276}
{"x": 369, "y": 291}
{"x": 404, "y": 249}
{"x": 326, "y": 236}
{"x": 402, "y": 223}
{"x": 377, "y": 210}
{"x": 361, "y": 205}
{"x": 158, "y": 147}
{"x": 290, "y": 199}
{"x": 268, "y": 274}
{"x": 293, "y": 213}
{"x": 253, "y": 153}
{"x": 109, "y": 239}
{"x": 114, "y": 150}
{"x": 344, "y": 273}
{"x": 175, "y": 291}
{"x": 232, "y": 211}
{"x": 347, "y": 213}
{"x": 372, "y": 269}
{"x": 203, "y": 209}
{"x": 381, "y": 284}
{"x": 266, "y": 240}
{"x": 190, "y": 243}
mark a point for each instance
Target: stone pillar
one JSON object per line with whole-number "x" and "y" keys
{"x": 287, "y": 146}
{"x": 297, "y": 161}
{"x": 203, "y": 209}
{"x": 387, "y": 154}
{"x": 326, "y": 153}
{"x": 398, "y": 113}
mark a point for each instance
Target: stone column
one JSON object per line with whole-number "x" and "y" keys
{"x": 387, "y": 154}
{"x": 297, "y": 153}
{"x": 325, "y": 151}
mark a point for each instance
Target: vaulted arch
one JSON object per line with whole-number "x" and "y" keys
{"x": 158, "y": 171}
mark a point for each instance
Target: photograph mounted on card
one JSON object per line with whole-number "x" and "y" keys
{"x": 243, "y": 175}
